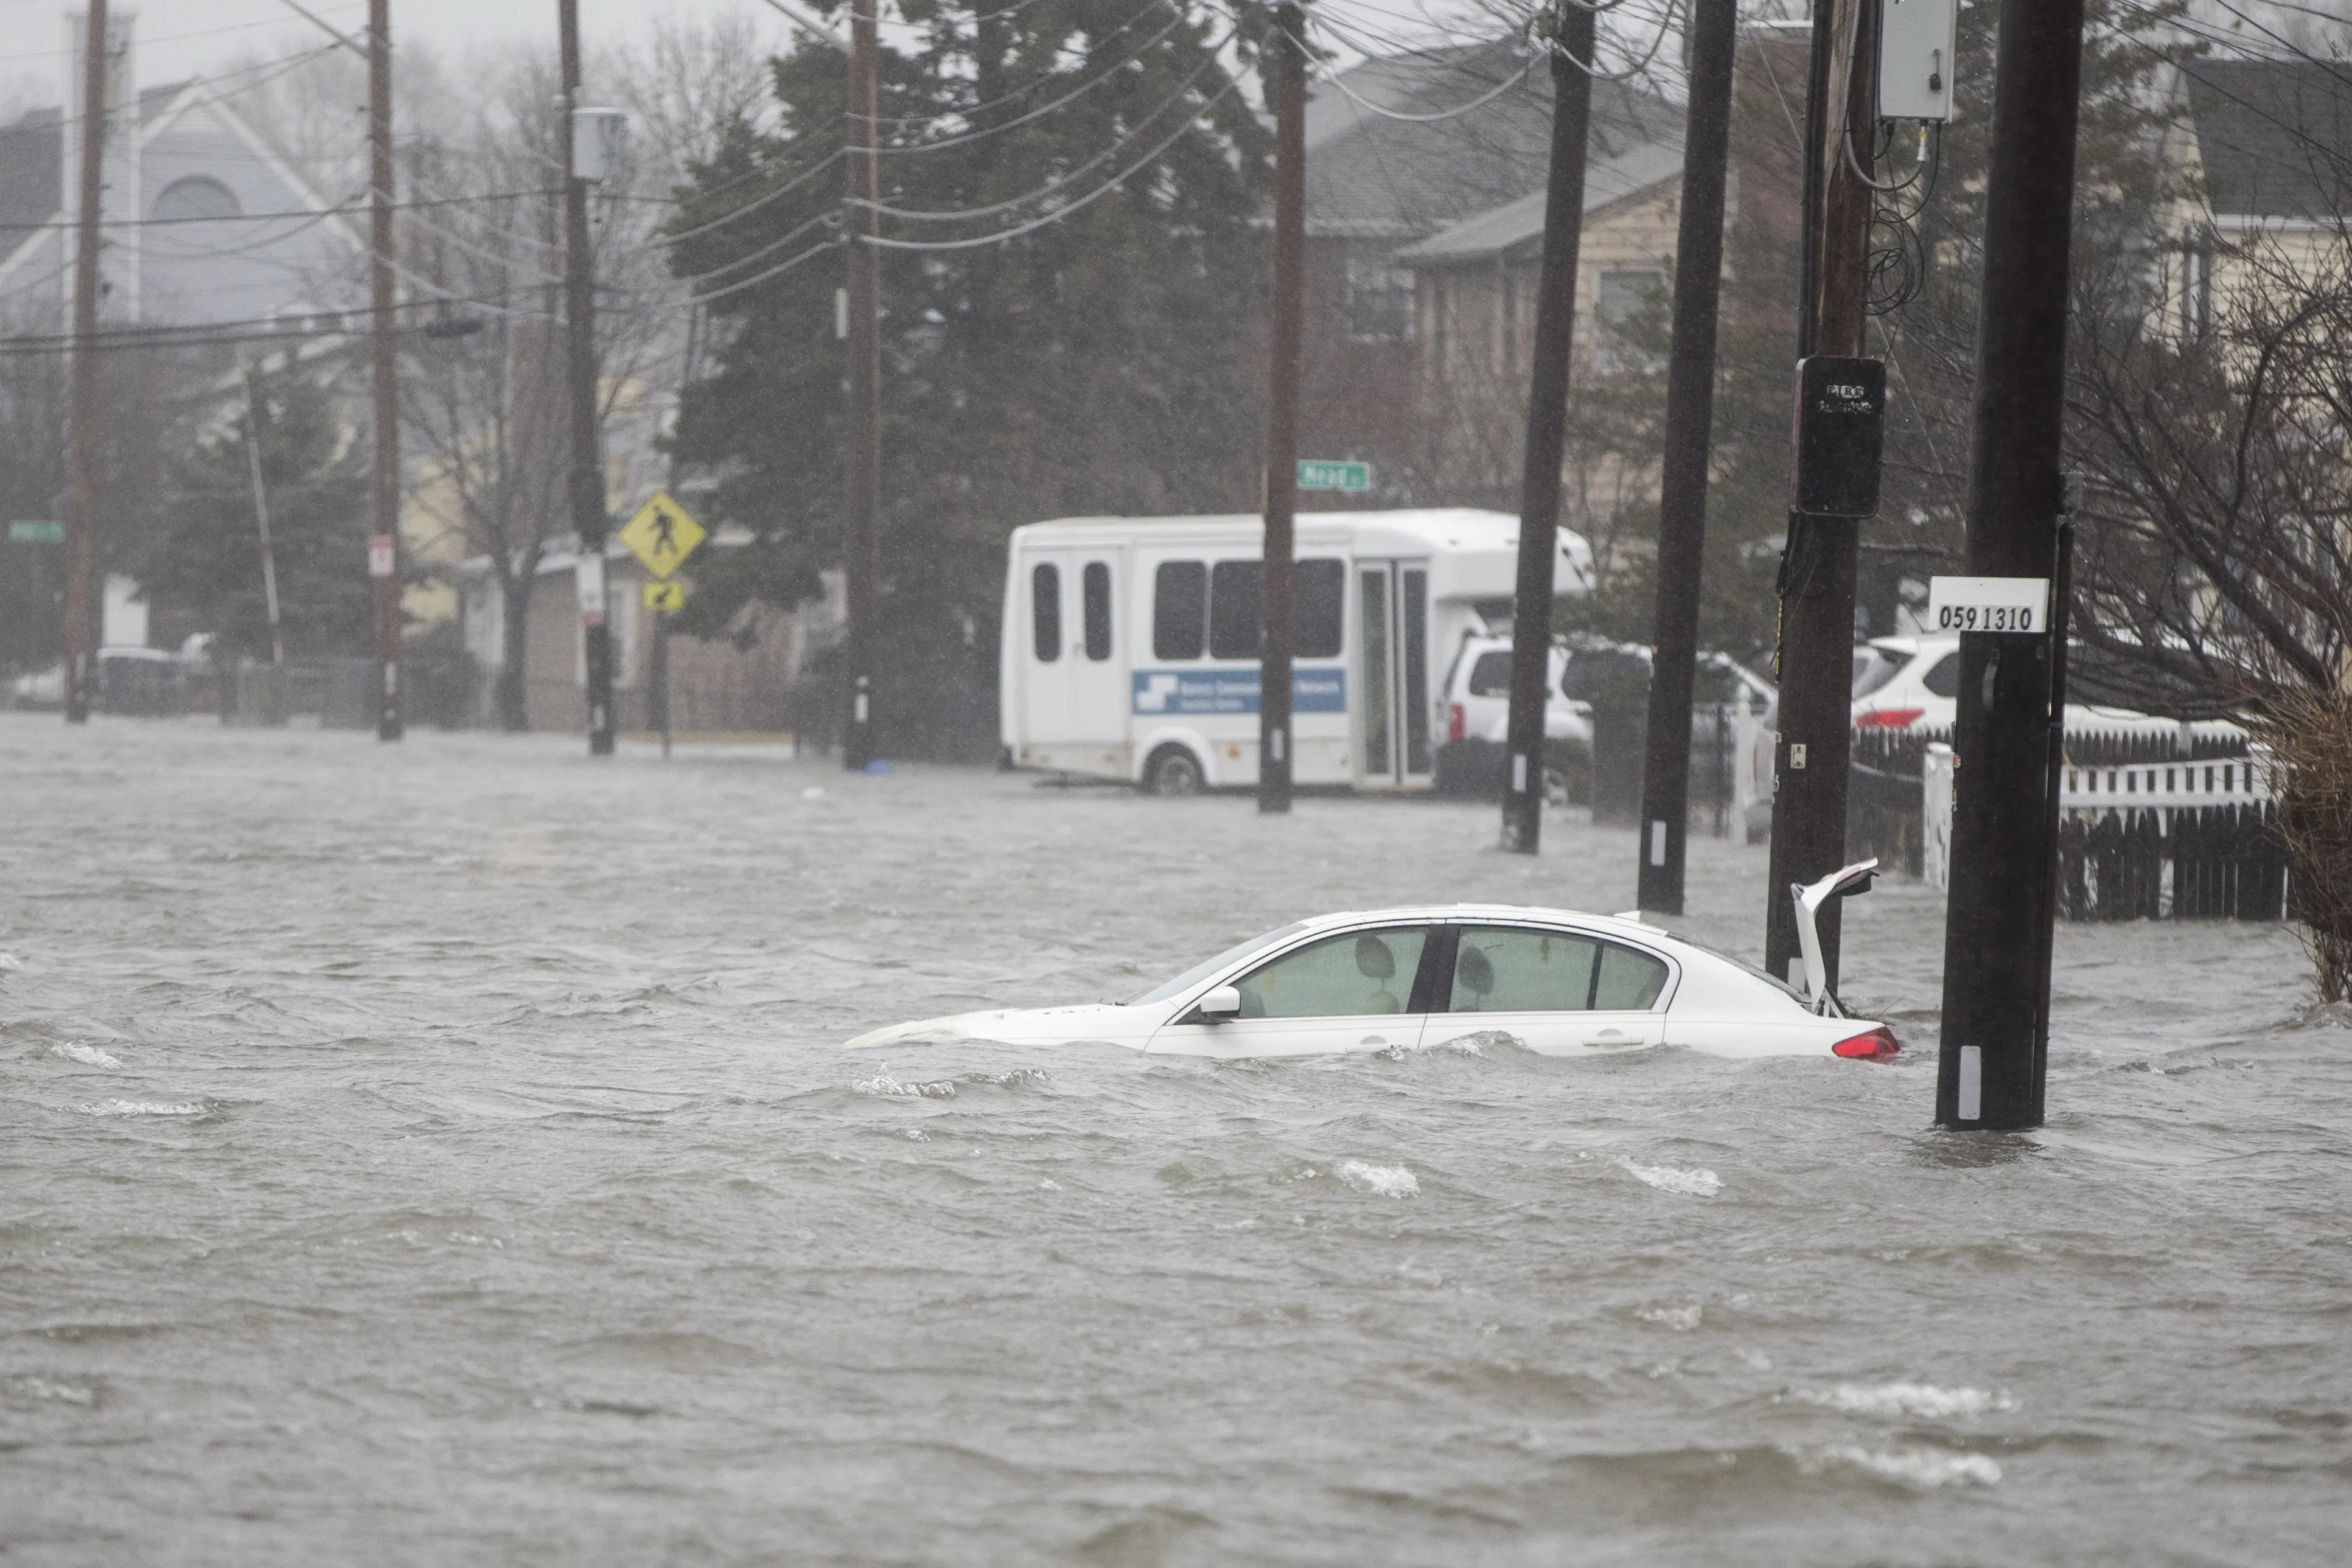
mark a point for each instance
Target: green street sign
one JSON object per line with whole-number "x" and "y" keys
{"x": 36, "y": 533}
{"x": 1319, "y": 476}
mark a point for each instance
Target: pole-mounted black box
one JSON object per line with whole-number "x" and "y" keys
{"x": 1841, "y": 424}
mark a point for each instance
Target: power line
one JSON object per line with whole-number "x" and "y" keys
{"x": 1057, "y": 216}
{"x": 1061, "y": 180}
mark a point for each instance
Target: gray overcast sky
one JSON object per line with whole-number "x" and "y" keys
{"x": 178, "y": 38}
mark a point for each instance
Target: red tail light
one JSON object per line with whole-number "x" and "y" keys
{"x": 1878, "y": 1045}
{"x": 1890, "y": 718}
{"x": 1457, "y": 723}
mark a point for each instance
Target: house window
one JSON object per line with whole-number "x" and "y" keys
{"x": 1624, "y": 294}
{"x": 1380, "y": 300}
{"x": 195, "y": 197}
{"x": 1620, "y": 300}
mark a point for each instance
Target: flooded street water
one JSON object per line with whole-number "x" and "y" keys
{"x": 445, "y": 1153}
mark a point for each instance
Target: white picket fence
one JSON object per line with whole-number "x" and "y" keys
{"x": 2095, "y": 792}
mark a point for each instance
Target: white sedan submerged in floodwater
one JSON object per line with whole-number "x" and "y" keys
{"x": 1557, "y": 982}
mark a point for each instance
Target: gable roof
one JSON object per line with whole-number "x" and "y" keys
{"x": 1369, "y": 177}
{"x": 1607, "y": 180}
{"x": 2275, "y": 136}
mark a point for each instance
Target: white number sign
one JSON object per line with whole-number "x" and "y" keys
{"x": 1988, "y": 604}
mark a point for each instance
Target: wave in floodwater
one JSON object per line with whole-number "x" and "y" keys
{"x": 447, "y": 1152}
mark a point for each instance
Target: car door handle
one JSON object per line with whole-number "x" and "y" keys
{"x": 1613, "y": 1037}
{"x": 1373, "y": 1040}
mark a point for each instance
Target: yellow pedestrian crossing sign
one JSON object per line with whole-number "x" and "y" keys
{"x": 664, "y": 595}
{"x": 662, "y": 534}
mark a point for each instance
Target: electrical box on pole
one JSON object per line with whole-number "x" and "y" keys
{"x": 1840, "y": 429}
{"x": 598, "y": 136}
{"x": 1915, "y": 41}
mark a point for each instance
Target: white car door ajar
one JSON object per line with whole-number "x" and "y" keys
{"x": 1354, "y": 991}
{"x": 1561, "y": 993}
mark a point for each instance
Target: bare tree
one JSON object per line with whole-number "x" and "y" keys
{"x": 2215, "y": 553}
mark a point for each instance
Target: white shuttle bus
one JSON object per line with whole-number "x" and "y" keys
{"x": 1130, "y": 643}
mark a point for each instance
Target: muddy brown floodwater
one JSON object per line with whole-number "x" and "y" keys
{"x": 445, "y": 1153}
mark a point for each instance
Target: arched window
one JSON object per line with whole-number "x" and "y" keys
{"x": 196, "y": 196}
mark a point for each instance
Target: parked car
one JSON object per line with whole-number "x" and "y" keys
{"x": 1914, "y": 684}
{"x": 1552, "y": 981}
{"x": 129, "y": 681}
{"x": 1475, "y": 711}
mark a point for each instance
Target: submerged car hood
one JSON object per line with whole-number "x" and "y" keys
{"x": 1024, "y": 1026}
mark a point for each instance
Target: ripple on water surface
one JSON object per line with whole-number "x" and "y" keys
{"x": 451, "y": 1144}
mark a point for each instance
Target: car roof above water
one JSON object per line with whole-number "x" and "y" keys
{"x": 1499, "y": 912}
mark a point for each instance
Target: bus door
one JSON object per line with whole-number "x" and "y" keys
{"x": 1392, "y": 673}
{"x": 1072, "y": 683}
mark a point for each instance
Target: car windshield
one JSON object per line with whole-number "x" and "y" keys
{"x": 1873, "y": 667}
{"x": 1199, "y": 972}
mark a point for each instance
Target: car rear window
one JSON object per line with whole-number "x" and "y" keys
{"x": 1491, "y": 675}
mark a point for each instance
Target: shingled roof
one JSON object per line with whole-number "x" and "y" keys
{"x": 1369, "y": 177}
{"x": 2275, "y": 136}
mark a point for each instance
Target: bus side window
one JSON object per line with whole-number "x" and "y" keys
{"x": 1322, "y": 595}
{"x": 1180, "y": 608}
{"x": 1046, "y": 610}
{"x": 1095, "y": 590}
{"x": 1235, "y": 628}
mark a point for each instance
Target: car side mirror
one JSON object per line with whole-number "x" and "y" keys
{"x": 1220, "y": 1003}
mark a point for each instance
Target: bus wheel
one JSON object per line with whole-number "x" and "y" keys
{"x": 1172, "y": 770}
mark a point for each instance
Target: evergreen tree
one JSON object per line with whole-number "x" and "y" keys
{"x": 204, "y": 554}
{"x": 1102, "y": 362}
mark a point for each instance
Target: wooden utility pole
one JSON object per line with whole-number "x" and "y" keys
{"x": 386, "y": 387}
{"x": 1815, "y": 666}
{"x": 1690, "y": 416}
{"x": 587, "y": 478}
{"x": 1286, "y": 59}
{"x": 1568, "y": 27}
{"x": 1992, "y": 1063}
{"x": 81, "y": 435}
{"x": 861, "y": 555}
{"x": 261, "y": 520}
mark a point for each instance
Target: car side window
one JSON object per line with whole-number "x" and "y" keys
{"x": 1943, "y": 677}
{"x": 1515, "y": 969}
{"x": 1627, "y": 981}
{"x": 1504, "y": 969}
{"x": 1491, "y": 675}
{"x": 1360, "y": 972}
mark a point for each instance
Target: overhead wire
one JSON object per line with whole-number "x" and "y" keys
{"x": 1060, "y": 181}
{"x": 1057, "y": 216}
{"x": 1024, "y": 92}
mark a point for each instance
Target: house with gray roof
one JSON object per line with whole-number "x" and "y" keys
{"x": 1377, "y": 184}
{"x": 2268, "y": 143}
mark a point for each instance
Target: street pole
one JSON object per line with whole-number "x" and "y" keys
{"x": 661, "y": 678}
{"x": 1568, "y": 27}
{"x": 261, "y": 517}
{"x": 81, "y": 436}
{"x": 1815, "y": 663}
{"x": 387, "y": 386}
{"x": 1991, "y": 1064}
{"x": 1682, "y": 491}
{"x": 1287, "y": 65}
{"x": 587, "y": 482}
{"x": 861, "y": 548}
